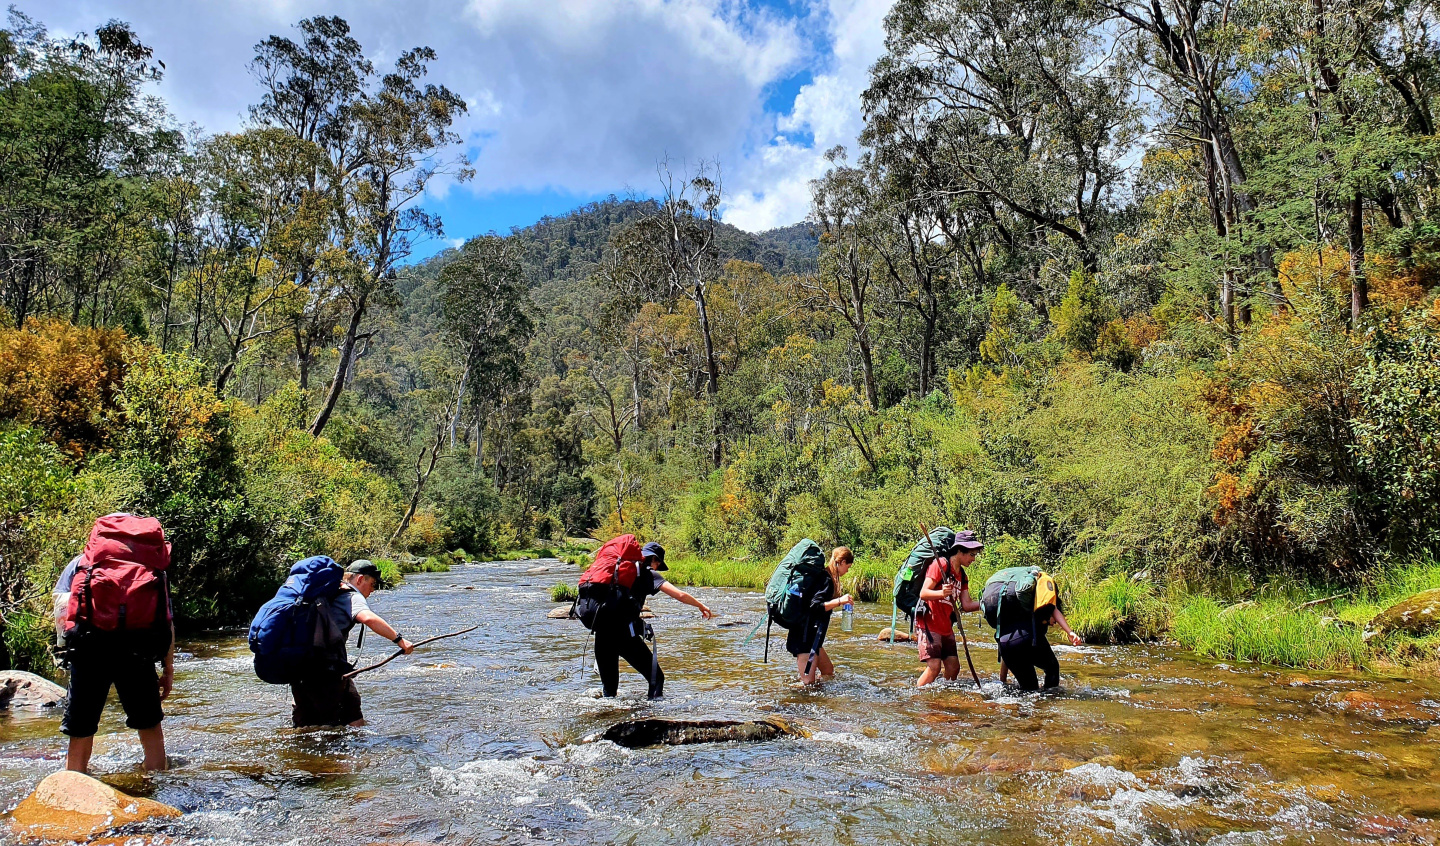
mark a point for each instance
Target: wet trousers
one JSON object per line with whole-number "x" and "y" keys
{"x": 1025, "y": 659}
{"x": 610, "y": 647}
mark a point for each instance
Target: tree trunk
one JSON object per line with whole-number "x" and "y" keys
{"x": 342, "y": 367}
{"x": 867, "y": 367}
{"x": 1359, "y": 285}
{"x": 420, "y": 478}
{"x": 1227, "y": 300}
{"x": 712, "y": 377}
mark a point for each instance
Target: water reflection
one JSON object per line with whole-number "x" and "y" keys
{"x": 479, "y": 741}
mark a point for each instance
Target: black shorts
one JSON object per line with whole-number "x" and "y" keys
{"x": 325, "y": 700}
{"x": 136, "y": 684}
{"x": 801, "y": 639}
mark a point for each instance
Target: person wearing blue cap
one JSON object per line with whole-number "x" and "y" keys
{"x": 627, "y": 640}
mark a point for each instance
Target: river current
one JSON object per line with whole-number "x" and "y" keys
{"x": 479, "y": 739}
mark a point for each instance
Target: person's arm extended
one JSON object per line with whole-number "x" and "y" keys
{"x": 382, "y": 628}
{"x": 676, "y": 593}
{"x": 837, "y": 602}
{"x": 1059, "y": 619}
{"x": 966, "y": 603}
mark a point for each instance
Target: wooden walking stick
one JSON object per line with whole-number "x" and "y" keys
{"x": 963, "y": 640}
{"x": 353, "y": 673}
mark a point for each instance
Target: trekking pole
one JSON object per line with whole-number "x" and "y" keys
{"x": 353, "y": 673}
{"x": 963, "y": 640}
{"x": 583, "y": 651}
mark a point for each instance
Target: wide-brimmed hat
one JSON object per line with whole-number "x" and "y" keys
{"x": 967, "y": 541}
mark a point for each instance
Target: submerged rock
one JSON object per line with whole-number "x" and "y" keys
{"x": 73, "y": 806}
{"x": 900, "y": 637}
{"x": 1379, "y": 708}
{"x": 634, "y": 734}
{"x": 27, "y": 690}
{"x": 1418, "y": 615}
{"x": 535, "y": 571}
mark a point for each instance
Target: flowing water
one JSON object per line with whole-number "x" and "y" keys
{"x": 479, "y": 740}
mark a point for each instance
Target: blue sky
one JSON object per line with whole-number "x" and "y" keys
{"x": 570, "y": 100}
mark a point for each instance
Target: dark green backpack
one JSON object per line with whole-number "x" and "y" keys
{"x": 912, "y": 573}
{"x": 1011, "y": 600}
{"x": 793, "y": 586}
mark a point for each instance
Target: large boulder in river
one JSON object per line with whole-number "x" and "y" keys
{"x": 27, "y": 690}
{"x": 73, "y": 806}
{"x": 1418, "y": 615}
{"x": 634, "y": 734}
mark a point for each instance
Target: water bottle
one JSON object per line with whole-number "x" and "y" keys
{"x": 847, "y": 617}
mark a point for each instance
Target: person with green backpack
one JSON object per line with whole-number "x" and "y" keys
{"x": 802, "y": 593}
{"x": 1021, "y": 603}
{"x": 944, "y": 592}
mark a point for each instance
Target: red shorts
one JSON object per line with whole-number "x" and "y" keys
{"x": 936, "y": 647}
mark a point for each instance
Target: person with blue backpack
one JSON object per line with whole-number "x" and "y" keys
{"x": 299, "y": 638}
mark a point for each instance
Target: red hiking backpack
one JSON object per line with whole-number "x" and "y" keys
{"x": 617, "y": 562}
{"x": 604, "y": 593}
{"x": 119, "y": 591}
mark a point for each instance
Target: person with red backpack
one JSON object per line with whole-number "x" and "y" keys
{"x": 612, "y": 593}
{"x": 115, "y": 621}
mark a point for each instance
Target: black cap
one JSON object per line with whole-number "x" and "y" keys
{"x": 654, "y": 551}
{"x": 365, "y": 567}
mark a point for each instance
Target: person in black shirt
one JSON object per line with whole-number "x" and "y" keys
{"x": 626, "y": 638}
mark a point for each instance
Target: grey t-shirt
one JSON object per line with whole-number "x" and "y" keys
{"x": 345, "y": 607}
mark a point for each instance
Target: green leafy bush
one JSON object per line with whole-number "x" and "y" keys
{"x": 562, "y": 592}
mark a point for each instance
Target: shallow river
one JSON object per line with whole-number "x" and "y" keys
{"x": 477, "y": 740}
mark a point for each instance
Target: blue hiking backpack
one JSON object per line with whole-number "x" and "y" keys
{"x": 292, "y": 635}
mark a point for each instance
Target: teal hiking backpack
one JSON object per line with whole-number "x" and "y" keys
{"x": 1011, "y": 600}
{"x": 793, "y": 586}
{"x": 912, "y": 573}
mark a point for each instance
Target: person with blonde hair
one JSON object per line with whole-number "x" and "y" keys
{"x": 807, "y": 642}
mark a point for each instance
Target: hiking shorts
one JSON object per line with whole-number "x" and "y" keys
{"x": 136, "y": 684}
{"x": 325, "y": 700}
{"x": 801, "y": 639}
{"x": 936, "y": 647}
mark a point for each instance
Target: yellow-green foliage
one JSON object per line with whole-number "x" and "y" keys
{"x": 563, "y": 592}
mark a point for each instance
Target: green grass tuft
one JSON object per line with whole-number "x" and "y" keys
{"x": 562, "y": 592}
{"x": 1267, "y": 632}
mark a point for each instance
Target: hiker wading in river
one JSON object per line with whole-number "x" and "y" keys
{"x": 946, "y": 588}
{"x": 612, "y": 595}
{"x": 325, "y": 697}
{"x": 803, "y": 641}
{"x": 114, "y": 622}
{"x": 299, "y": 638}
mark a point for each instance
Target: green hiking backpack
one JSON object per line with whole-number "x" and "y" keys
{"x": 793, "y": 586}
{"x": 1011, "y": 599}
{"x": 912, "y": 574}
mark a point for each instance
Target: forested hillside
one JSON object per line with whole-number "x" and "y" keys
{"x": 1145, "y": 293}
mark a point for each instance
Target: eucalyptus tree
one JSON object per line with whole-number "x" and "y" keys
{"x": 384, "y": 143}
{"x": 1014, "y": 102}
{"x": 677, "y": 243}
{"x": 842, "y": 206}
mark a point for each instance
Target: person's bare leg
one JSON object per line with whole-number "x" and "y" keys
{"x": 823, "y": 660}
{"x": 152, "y": 740}
{"x": 932, "y": 672}
{"x": 800, "y": 667}
{"x": 78, "y": 757}
{"x": 952, "y": 669}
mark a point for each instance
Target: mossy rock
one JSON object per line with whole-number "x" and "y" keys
{"x": 1418, "y": 615}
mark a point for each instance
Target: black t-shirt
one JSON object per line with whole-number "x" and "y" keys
{"x": 647, "y": 584}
